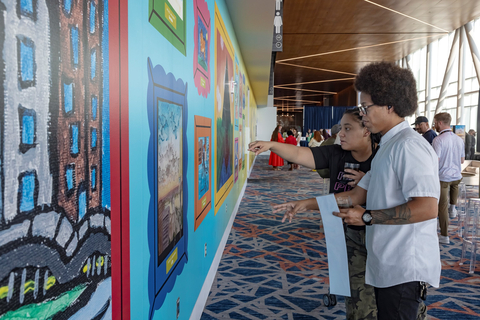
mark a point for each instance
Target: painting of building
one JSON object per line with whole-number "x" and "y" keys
{"x": 54, "y": 232}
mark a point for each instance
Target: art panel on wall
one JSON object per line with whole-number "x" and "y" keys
{"x": 169, "y": 18}
{"x": 55, "y": 227}
{"x": 203, "y": 163}
{"x": 201, "y": 53}
{"x": 168, "y": 151}
{"x": 224, "y": 112}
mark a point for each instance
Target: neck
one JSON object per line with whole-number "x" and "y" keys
{"x": 394, "y": 122}
{"x": 362, "y": 154}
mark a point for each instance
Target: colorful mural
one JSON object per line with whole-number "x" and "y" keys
{"x": 201, "y": 52}
{"x": 224, "y": 112}
{"x": 203, "y": 163}
{"x": 170, "y": 19}
{"x": 55, "y": 242}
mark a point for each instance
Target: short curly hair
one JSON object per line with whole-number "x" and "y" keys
{"x": 389, "y": 85}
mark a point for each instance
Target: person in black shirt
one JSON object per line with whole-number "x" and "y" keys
{"x": 422, "y": 127}
{"x": 357, "y": 146}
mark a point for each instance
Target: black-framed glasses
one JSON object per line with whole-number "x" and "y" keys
{"x": 363, "y": 109}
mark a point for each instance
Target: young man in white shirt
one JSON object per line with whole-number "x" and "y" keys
{"x": 451, "y": 154}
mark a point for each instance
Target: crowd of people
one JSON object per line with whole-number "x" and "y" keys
{"x": 399, "y": 190}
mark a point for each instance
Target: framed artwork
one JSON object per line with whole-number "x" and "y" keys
{"x": 224, "y": 104}
{"x": 168, "y": 104}
{"x": 236, "y": 159}
{"x": 201, "y": 54}
{"x": 203, "y": 165}
{"x": 237, "y": 91}
{"x": 169, "y": 18}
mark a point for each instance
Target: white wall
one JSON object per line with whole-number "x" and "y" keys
{"x": 267, "y": 121}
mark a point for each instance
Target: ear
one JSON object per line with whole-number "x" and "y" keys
{"x": 366, "y": 132}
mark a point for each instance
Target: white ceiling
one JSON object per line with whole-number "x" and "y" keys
{"x": 253, "y": 24}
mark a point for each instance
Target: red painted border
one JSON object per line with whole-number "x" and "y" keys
{"x": 119, "y": 163}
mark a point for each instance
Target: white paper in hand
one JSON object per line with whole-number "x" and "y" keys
{"x": 336, "y": 246}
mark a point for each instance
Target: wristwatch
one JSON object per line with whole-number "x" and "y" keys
{"x": 367, "y": 217}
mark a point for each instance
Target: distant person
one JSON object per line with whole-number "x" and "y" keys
{"x": 325, "y": 134}
{"x": 291, "y": 140}
{"x": 335, "y": 130}
{"x": 275, "y": 161}
{"x": 451, "y": 154}
{"x": 309, "y": 135}
{"x": 422, "y": 127}
{"x": 297, "y": 135}
{"x": 470, "y": 142}
{"x": 316, "y": 141}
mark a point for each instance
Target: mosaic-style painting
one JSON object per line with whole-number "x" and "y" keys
{"x": 203, "y": 164}
{"x": 54, "y": 149}
{"x": 201, "y": 55}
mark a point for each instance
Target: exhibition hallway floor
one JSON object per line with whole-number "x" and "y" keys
{"x": 274, "y": 270}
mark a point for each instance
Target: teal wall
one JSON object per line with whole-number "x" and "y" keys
{"x": 186, "y": 278}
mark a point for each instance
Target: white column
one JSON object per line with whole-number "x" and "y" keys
{"x": 461, "y": 77}
{"x": 473, "y": 48}
{"x": 428, "y": 83}
{"x": 448, "y": 71}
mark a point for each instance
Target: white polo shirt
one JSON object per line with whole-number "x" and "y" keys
{"x": 450, "y": 149}
{"x": 404, "y": 167}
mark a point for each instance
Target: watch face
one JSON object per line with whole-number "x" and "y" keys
{"x": 367, "y": 217}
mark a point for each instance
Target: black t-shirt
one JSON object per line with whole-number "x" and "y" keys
{"x": 430, "y": 135}
{"x": 334, "y": 157}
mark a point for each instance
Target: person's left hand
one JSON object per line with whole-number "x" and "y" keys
{"x": 355, "y": 175}
{"x": 351, "y": 216}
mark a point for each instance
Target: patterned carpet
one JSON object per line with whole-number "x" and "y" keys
{"x": 275, "y": 270}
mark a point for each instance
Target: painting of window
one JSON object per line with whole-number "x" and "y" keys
{"x": 93, "y": 178}
{"x": 26, "y": 62}
{"x": 94, "y": 107}
{"x": 67, "y": 6}
{"x": 203, "y": 164}
{"x": 93, "y": 10}
{"x": 93, "y": 64}
{"x": 82, "y": 200}
{"x": 74, "y": 45}
{"x": 93, "y": 135}
{"x": 68, "y": 98}
{"x": 70, "y": 179}
{"x": 74, "y": 139}
{"x": 28, "y": 135}
{"x": 168, "y": 17}
{"x": 27, "y": 8}
{"x": 27, "y": 191}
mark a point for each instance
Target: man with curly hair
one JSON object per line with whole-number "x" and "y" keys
{"x": 402, "y": 197}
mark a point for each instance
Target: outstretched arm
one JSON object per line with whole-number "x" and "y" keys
{"x": 298, "y": 155}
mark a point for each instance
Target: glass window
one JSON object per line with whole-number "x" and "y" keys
{"x": 67, "y": 6}
{"x": 68, "y": 97}
{"x": 27, "y": 8}
{"x": 74, "y": 139}
{"x": 27, "y": 191}
{"x": 93, "y": 64}
{"x": 28, "y": 120}
{"x": 92, "y": 16}
{"x": 70, "y": 178}
{"x": 74, "y": 40}
{"x": 93, "y": 178}
{"x": 26, "y": 62}
{"x": 94, "y": 137}
{"x": 94, "y": 107}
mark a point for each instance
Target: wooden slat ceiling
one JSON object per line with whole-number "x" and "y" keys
{"x": 326, "y": 42}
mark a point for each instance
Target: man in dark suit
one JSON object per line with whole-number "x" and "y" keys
{"x": 470, "y": 143}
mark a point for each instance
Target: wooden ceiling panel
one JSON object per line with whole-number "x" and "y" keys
{"x": 333, "y": 39}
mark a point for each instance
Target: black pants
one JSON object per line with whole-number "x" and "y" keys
{"x": 399, "y": 302}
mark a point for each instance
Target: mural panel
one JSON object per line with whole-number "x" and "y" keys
{"x": 201, "y": 53}
{"x": 203, "y": 163}
{"x": 224, "y": 112}
{"x": 54, "y": 216}
{"x": 169, "y": 18}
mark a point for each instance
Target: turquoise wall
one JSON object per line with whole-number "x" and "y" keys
{"x": 156, "y": 286}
